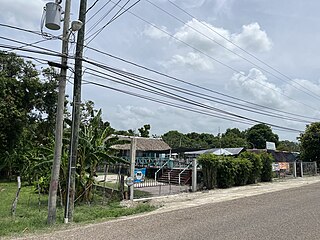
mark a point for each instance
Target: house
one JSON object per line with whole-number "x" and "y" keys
{"x": 148, "y": 150}
{"x": 216, "y": 151}
{"x": 279, "y": 156}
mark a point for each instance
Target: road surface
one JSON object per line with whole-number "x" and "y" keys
{"x": 287, "y": 214}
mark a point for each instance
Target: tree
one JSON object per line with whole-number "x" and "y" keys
{"x": 259, "y": 134}
{"x": 27, "y": 108}
{"x": 233, "y": 138}
{"x": 144, "y": 131}
{"x": 288, "y": 146}
{"x": 309, "y": 143}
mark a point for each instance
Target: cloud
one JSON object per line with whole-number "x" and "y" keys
{"x": 203, "y": 39}
{"x": 255, "y": 86}
{"x": 22, "y": 13}
{"x": 252, "y": 38}
{"x": 155, "y": 33}
{"x": 191, "y": 59}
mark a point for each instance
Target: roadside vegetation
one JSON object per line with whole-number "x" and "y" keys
{"x": 31, "y": 212}
{"x": 225, "y": 172}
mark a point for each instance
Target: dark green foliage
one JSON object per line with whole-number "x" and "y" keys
{"x": 266, "y": 172}
{"x": 288, "y": 146}
{"x": 255, "y": 173}
{"x": 27, "y": 111}
{"x": 233, "y": 138}
{"x": 242, "y": 169}
{"x": 209, "y": 163}
{"x": 145, "y": 130}
{"x": 259, "y": 134}
{"x": 310, "y": 139}
{"x": 226, "y": 173}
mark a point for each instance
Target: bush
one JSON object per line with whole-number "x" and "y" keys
{"x": 209, "y": 163}
{"x": 225, "y": 173}
{"x": 255, "y": 173}
{"x": 266, "y": 172}
{"x": 243, "y": 170}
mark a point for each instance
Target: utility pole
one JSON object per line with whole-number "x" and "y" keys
{"x": 52, "y": 201}
{"x": 75, "y": 116}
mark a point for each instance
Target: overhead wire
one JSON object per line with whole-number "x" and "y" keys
{"x": 198, "y": 94}
{"x": 190, "y": 84}
{"x": 116, "y": 16}
{"x": 187, "y": 107}
{"x": 100, "y": 19}
{"x": 96, "y": 33}
{"x": 218, "y": 61}
{"x": 306, "y": 91}
{"x": 92, "y": 6}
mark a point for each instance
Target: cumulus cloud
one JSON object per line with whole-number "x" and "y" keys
{"x": 191, "y": 59}
{"x": 212, "y": 41}
{"x": 155, "y": 33}
{"x": 256, "y": 86}
{"x": 253, "y": 38}
{"x": 22, "y": 13}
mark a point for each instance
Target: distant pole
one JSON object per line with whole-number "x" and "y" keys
{"x": 52, "y": 200}
{"x": 133, "y": 148}
{"x": 295, "y": 169}
{"x": 301, "y": 168}
{"x": 75, "y": 116}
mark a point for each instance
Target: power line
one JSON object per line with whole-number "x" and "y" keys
{"x": 26, "y": 44}
{"x": 239, "y": 47}
{"x": 100, "y": 19}
{"x": 96, "y": 13}
{"x": 117, "y": 15}
{"x": 176, "y": 97}
{"x": 216, "y": 60}
{"x": 29, "y": 31}
{"x": 92, "y": 6}
{"x": 186, "y": 107}
{"x": 189, "y": 92}
{"x": 190, "y": 84}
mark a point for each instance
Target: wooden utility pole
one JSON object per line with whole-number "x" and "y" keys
{"x": 52, "y": 200}
{"x": 75, "y": 116}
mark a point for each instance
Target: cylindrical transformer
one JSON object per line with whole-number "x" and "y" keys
{"x": 53, "y": 16}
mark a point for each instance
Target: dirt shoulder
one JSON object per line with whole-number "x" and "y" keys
{"x": 186, "y": 200}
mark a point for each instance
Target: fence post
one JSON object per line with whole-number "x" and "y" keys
{"x": 315, "y": 168}
{"x": 301, "y": 168}
{"x": 194, "y": 175}
{"x": 295, "y": 169}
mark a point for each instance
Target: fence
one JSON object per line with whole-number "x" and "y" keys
{"x": 294, "y": 169}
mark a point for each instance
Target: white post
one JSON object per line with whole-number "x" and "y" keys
{"x": 194, "y": 175}
{"x": 301, "y": 168}
{"x": 295, "y": 169}
{"x": 315, "y": 168}
{"x": 132, "y": 162}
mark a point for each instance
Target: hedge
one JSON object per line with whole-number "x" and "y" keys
{"x": 225, "y": 172}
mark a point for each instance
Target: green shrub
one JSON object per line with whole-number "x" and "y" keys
{"x": 266, "y": 172}
{"x": 255, "y": 173}
{"x": 209, "y": 163}
{"x": 242, "y": 171}
{"x": 225, "y": 173}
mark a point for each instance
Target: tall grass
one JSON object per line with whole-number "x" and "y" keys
{"x": 31, "y": 214}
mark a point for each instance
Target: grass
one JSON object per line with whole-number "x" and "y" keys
{"x": 115, "y": 185}
{"x": 30, "y": 217}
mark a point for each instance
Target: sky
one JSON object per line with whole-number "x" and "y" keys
{"x": 265, "y": 52}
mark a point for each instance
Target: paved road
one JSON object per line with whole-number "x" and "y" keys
{"x": 286, "y": 214}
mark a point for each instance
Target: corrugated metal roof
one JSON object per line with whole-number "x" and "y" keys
{"x": 234, "y": 151}
{"x": 145, "y": 144}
